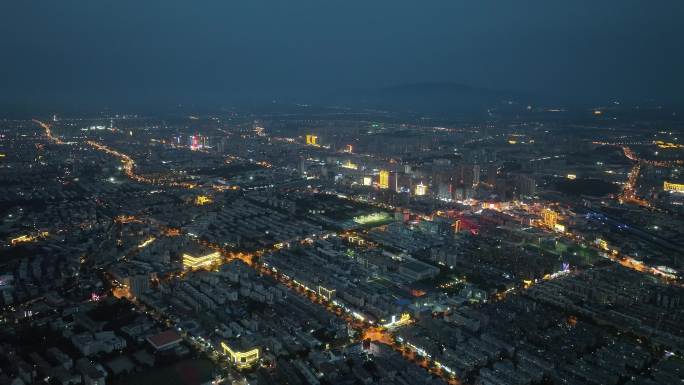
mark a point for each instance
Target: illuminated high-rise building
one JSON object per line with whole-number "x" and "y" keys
{"x": 476, "y": 175}
{"x": 525, "y": 185}
{"x": 444, "y": 191}
{"x": 421, "y": 189}
{"x": 384, "y": 179}
{"x": 221, "y": 145}
{"x": 202, "y": 200}
{"x": 191, "y": 262}
{"x": 241, "y": 354}
{"x": 468, "y": 175}
{"x": 677, "y": 187}
{"x": 348, "y": 164}
{"x": 326, "y": 293}
{"x": 312, "y": 140}
{"x": 550, "y": 218}
{"x": 302, "y": 167}
{"x": 195, "y": 142}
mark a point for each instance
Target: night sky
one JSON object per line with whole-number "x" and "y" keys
{"x": 72, "y": 53}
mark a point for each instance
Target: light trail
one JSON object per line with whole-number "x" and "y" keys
{"x": 629, "y": 190}
{"x": 628, "y": 193}
{"x": 129, "y": 167}
{"x": 48, "y": 132}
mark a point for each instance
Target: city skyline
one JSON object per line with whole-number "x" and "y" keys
{"x": 341, "y": 193}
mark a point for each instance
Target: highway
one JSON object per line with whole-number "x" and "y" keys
{"x": 48, "y": 132}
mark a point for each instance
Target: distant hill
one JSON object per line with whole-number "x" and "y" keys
{"x": 441, "y": 98}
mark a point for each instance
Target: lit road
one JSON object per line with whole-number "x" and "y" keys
{"x": 48, "y": 132}
{"x": 624, "y": 260}
{"x": 128, "y": 165}
{"x": 366, "y": 329}
{"x": 629, "y": 190}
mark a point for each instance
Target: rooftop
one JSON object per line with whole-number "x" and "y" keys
{"x": 164, "y": 339}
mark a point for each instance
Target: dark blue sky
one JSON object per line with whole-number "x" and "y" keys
{"x": 145, "y": 51}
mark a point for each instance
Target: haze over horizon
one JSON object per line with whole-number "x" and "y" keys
{"x": 342, "y": 192}
{"x": 92, "y": 54}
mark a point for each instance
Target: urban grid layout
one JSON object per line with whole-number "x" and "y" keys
{"x": 391, "y": 237}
